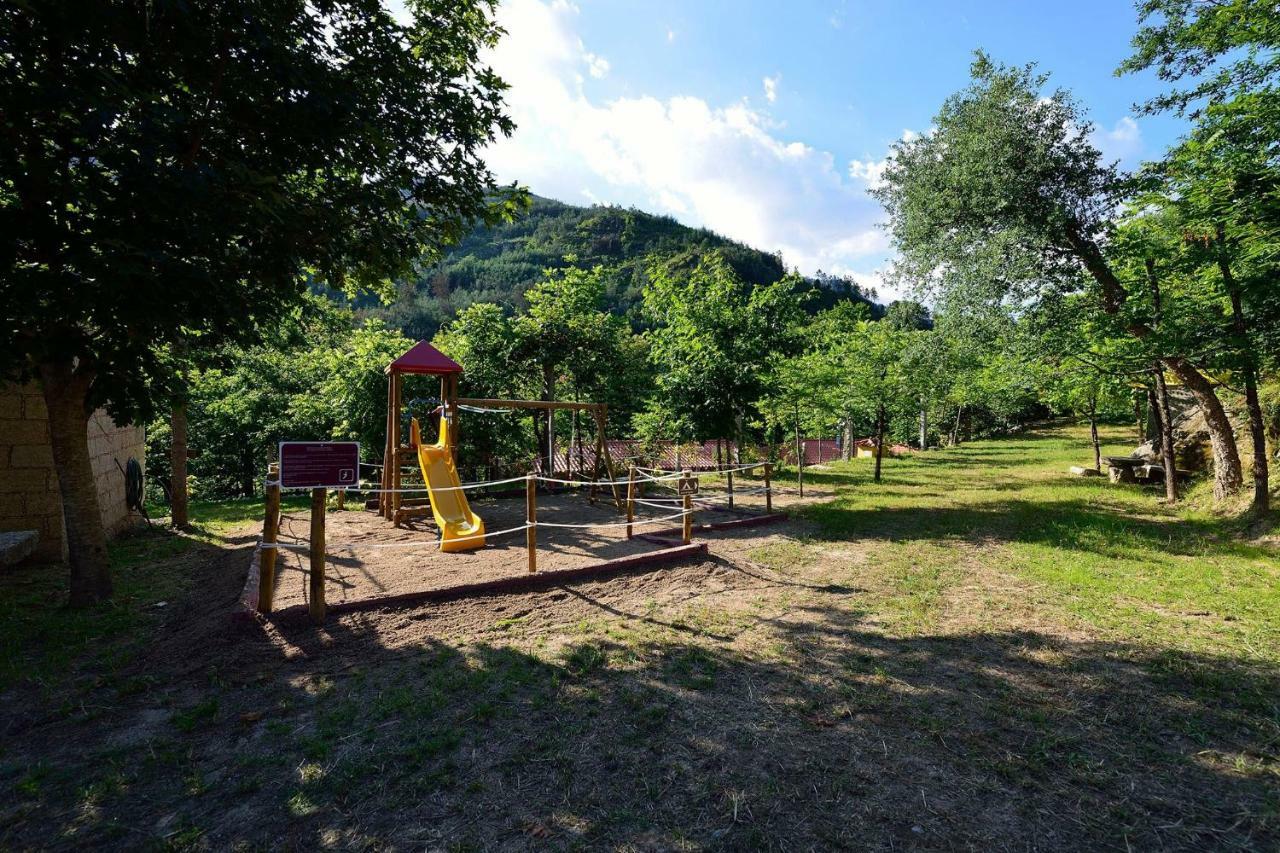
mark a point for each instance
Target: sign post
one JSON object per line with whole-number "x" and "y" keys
{"x": 319, "y": 464}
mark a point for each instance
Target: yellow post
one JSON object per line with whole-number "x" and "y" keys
{"x": 531, "y": 517}
{"x": 270, "y": 530}
{"x": 316, "y": 603}
{"x": 631, "y": 497}
{"x": 768, "y": 488}
{"x": 687, "y": 503}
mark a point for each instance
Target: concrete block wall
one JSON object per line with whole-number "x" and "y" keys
{"x": 29, "y": 498}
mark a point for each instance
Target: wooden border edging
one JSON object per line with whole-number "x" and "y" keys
{"x": 517, "y": 583}
{"x": 249, "y": 597}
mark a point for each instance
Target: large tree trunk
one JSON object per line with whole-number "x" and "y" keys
{"x": 1093, "y": 433}
{"x": 1258, "y": 432}
{"x": 924, "y": 422}
{"x": 1227, "y": 476}
{"x": 879, "y": 439}
{"x": 178, "y": 466}
{"x": 1168, "y": 458}
{"x": 65, "y": 396}
{"x": 846, "y": 451}
{"x": 1257, "y": 429}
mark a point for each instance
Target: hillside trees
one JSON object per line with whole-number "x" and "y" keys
{"x": 174, "y": 172}
{"x": 1009, "y": 195}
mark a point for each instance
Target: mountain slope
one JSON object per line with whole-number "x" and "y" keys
{"x": 499, "y": 264}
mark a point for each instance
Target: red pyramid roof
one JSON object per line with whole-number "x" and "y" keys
{"x": 422, "y": 357}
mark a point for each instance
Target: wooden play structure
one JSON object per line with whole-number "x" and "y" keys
{"x": 424, "y": 359}
{"x": 673, "y": 494}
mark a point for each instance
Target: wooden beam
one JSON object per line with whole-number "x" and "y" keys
{"x": 315, "y": 604}
{"x": 486, "y": 403}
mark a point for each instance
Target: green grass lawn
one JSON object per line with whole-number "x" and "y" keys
{"x": 980, "y": 652}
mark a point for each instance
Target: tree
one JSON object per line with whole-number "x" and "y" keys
{"x": 1224, "y": 49}
{"x": 317, "y": 375}
{"x": 1223, "y": 177}
{"x": 175, "y": 173}
{"x": 1008, "y": 199}
{"x": 716, "y": 338}
{"x": 566, "y": 334}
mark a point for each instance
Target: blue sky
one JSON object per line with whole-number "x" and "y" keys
{"x": 766, "y": 121}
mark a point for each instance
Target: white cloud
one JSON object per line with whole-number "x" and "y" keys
{"x": 598, "y": 66}
{"x": 1122, "y": 142}
{"x": 771, "y": 88}
{"x": 726, "y": 167}
{"x": 671, "y": 35}
{"x": 871, "y": 171}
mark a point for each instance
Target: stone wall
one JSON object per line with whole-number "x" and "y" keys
{"x": 29, "y": 497}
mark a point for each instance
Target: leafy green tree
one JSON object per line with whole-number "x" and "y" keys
{"x": 318, "y": 376}
{"x": 1222, "y": 178}
{"x": 563, "y": 344}
{"x": 716, "y": 338}
{"x": 570, "y": 339}
{"x": 1222, "y": 49}
{"x": 173, "y": 173}
{"x": 1007, "y": 200}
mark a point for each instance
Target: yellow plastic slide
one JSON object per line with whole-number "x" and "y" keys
{"x": 448, "y": 502}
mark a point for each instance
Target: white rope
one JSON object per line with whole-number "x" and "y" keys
{"x": 464, "y": 487}
{"x": 667, "y": 504}
{"x": 607, "y": 482}
{"x": 614, "y": 523}
{"x": 304, "y": 545}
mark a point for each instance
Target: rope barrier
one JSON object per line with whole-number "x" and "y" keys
{"x": 614, "y": 523}
{"x": 303, "y": 545}
{"x": 605, "y": 482}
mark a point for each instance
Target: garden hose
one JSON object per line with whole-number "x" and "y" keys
{"x": 134, "y": 494}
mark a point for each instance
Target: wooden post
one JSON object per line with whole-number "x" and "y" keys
{"x": 531, "y": 518}
{"x": 384, "y": 498}
{"x": 631, "y": 497}
{"x": 396, "y": 390}
{"x": 316, "y": 603}
{"x": 687, "y": 504}
{"x": 270, "y": 529}
{"x": 342, "y": 498}
{"x": 768, "y": 487}
{"x": 799, "y": 454}
{"x": 729, "y": 474}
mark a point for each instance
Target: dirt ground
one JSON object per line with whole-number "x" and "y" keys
{"x": 368, "y": 558}
{"x": 784, "y": 693}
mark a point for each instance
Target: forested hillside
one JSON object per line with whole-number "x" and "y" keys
{"x": 499, "y": 264}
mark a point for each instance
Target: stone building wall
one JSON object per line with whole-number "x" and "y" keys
{"x": 29, "y": 497}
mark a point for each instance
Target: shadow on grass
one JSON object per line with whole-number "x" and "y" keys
{"x": 650, "y": 735}
{"x": 1071, "y": 525}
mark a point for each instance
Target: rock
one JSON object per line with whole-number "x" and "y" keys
{"x": 1081, "y": 471}
{"x": 17, "y": 544}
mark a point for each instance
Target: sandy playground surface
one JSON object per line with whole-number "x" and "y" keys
{"x": 369, "y": 558}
